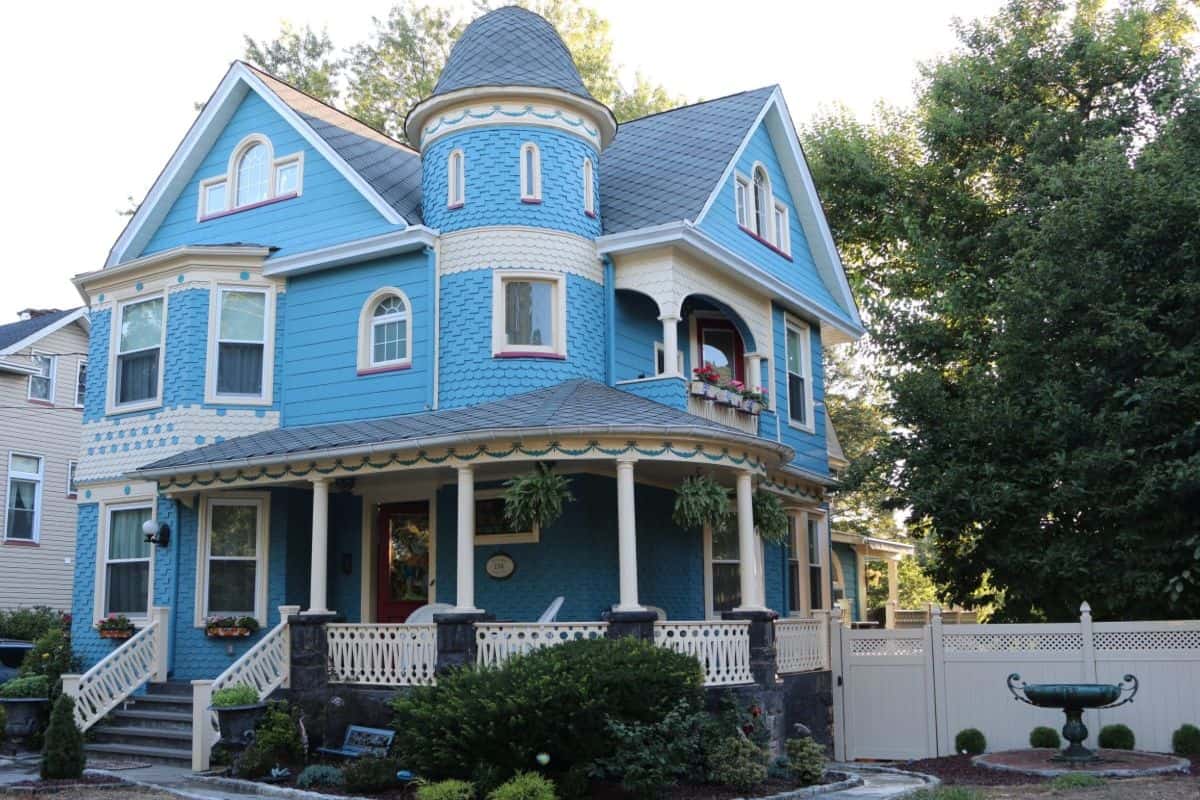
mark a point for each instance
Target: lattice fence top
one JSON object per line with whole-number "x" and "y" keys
{"x": 887, "y": 646}
{"x": 1148, "y": 640}
{"x": 1011, "y": 642}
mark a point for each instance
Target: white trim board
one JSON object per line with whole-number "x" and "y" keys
{"x": 220, "y": 108}
{"x": 78, "y": 315}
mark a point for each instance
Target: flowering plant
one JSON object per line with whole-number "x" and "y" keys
{"x": 249, "y": 624}
{"x": 114, "y": 622}
{"x": 707, "y": 373}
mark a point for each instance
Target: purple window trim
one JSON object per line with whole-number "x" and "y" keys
{"x": 591, "y": 214}
{"x": 259, "y": 204}
{"x": 381, "y": 370}
{"x": 455, "y": 206}
{"x": 529, "y": 354}
{"x": 763, "y": 241}
{"x": 531, "y": 201}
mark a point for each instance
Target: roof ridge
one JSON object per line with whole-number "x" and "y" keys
{"x": 771, "y": 86}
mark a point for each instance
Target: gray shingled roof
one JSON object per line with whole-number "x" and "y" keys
{"x": 510, "y": 47}
{"x": 391, "y": 168}
{"x": 14, "y": 332}
{"x": 663, "y": 167}
{"x": 579, "y": 406}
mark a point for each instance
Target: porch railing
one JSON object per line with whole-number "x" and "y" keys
{"x": 801, "y": 645}
{"x": 266, "y": 666}
{"x": 382, "y": 654}
{"x": 722, "y": 648}
{"x": 122, "y": 672}
{"x": 498, "y": 641}
{"x": 722, "y": 414}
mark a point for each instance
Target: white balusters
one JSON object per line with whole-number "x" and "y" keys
{"x": 800, "y": 645}
{"x": 498, "y": 641}
{"x": 722, "y": 648}
{"x": 382, "y": 655}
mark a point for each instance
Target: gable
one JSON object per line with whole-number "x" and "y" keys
{"x": 327, "y": 211}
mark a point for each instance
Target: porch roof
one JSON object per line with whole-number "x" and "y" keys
{"x": 573, "y": 408}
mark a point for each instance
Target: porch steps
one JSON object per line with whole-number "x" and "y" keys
{"x": 155, "y": 726}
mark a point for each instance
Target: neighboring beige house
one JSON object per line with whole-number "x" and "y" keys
{"x": 43, "y": 367}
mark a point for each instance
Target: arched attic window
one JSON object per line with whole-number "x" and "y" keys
{"x": 762, "y": 203}
{"x": 531, "y": 173}
{"x": 253, "y": 175}
{"x": 385, "y": 332}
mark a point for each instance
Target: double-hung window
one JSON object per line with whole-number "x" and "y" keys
{"x": 127, "y": 561}
{"x": 241, "y": 350}
{"x": 813, "y": 540}
{"x": 23, "y": 504}
{"x": 780, "y": 228}
{"x": 529, "y": 314}
{"x": 139, "y": 352}
{"x": 81, "y": 384}
{"x": 799, "y": 383}
{"x": 725, "y": 564}
{"x": 389, "y": 332}
{"x": 233, "y": 553}
{"x": 41, "y": 383}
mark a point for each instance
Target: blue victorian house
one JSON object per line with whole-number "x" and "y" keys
{"x": 318, "y": 353}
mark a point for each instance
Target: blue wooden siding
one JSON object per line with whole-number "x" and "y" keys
{"x": 811, "y": 448}
{"x": 328, "y": 211}
{"x": 320, "y": 353}
{"x": 721, "y": 224}
{"x": 637, "y": 329}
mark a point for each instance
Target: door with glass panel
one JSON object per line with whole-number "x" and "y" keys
{"x": 402, "y": 556}
{"x": 127, "y": 562}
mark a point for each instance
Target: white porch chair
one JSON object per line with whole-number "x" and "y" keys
{"x": 551, "y": 612}
{"x": 424, "y": 614}
{"x": 662, "y": 615}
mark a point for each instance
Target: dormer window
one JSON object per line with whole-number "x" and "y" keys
{"x": 456, "y": 179}
{"x": 531, "y": 173}
{"x": 589, "y": 188}
{"x": 253, "y": 177}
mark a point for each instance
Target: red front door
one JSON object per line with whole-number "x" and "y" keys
{"x": 402, "y": 556}
{"x": 721, "y": 345}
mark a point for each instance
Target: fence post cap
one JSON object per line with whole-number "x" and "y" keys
{"x": 1085, "y": 608}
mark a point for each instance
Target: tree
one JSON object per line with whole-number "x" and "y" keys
{"x": 1027, "y": 242}
{"x": 304, "y": 59}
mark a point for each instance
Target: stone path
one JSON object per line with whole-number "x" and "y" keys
{"x": 876, "y": 785}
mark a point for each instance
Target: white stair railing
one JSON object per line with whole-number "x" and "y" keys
{"x": 722, "y": 648}
{"x": 266, "y": 666}
{"x": 122, "y": 672}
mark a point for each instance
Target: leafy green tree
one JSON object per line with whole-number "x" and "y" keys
{"x": 303, "y": 58}
{"x": 1025, "y": 240}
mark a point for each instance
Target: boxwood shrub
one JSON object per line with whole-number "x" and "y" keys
{"x": 1116, "y": 737}
{"x": 1186, "y": 741}
{"x": 1042, "y": 736}
{"x": 970, "y": 741}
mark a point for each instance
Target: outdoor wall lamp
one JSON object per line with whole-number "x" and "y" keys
{"x": 156, "y": 533}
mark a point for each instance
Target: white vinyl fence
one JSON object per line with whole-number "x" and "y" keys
{"x": 906, "y": 693}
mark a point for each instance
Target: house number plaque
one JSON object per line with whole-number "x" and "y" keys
{"x": 500, "y": 566}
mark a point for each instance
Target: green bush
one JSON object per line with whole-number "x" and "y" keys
{"x": 28, "y": 624}
{"x": 240, "y": 694}
{"x": 558, "y": 701}
{"x": 970, "y": 741}
{"x": 1116, "y": 737}
{"x": 50, "y": 656}
{"x": 370, "y": 775}
{"x": 63, "y": 756}
{"x": 525, "y": 786}
{"x": 26, "y": 686}
{"x": 277, "y": 743}
{"x": 1042, "y": 736}
{"x": 806, "y": 760}
{"x": 318, "y": 775}
{"x": 650, "y": 756}
{"x": 1078, "y": 780}
{"x": 1186, "y": 741}
{"x": 737, "y": 762}
{"x": 447, "y": 790}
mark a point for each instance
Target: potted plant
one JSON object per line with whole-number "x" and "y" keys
{"x": 769, "y": 517}
{"x": 230, "y": 627}
{"x": 25, "y": 700}
{"x": 115, "y": 626}
{"x": 238, "y": 710}
{"x": 705, "y": 380}
{"x": 754, "y": 401}
{"x": 700, "y": 501}
{"x": 536, "y": 498}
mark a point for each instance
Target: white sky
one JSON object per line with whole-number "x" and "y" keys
{"x": 100, "y": 93}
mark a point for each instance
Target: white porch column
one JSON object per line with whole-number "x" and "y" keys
{"x": 893, "y": 601}
{"x": 627, "y": 537}
{"x": 753, "y": 592}
{"x": 318, "y": 580}
{"x": 754, "y": 371}
{"x": 670, "y": 346}
{"x": 465, "y": 585}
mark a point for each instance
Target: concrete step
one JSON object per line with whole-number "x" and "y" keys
{"x": 176, "y": 756}
{"x": 164, "y": 702}
{"x": 134, "y": 734}
{"x": 172, "y": 688}
{"x": 152, "y": 717}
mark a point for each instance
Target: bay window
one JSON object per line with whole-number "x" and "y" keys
{"x": 126, "y": 559}
{"x": 23, "y": 504}
{"x": 139, "y": 352}
{"x": 240, "y": 355}
{"x": 232, "y": 573}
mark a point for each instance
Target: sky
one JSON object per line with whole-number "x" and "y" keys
{"x": 100, "y": 93}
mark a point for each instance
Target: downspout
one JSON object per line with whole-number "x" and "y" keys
{"x": 431, "y": 258}
{"x": 610, "y": 321}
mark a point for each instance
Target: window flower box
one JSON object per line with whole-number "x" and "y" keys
{"x": 702, "y": 389}
{"x": 230, "y": 627}
{"x": 115, "y": 626}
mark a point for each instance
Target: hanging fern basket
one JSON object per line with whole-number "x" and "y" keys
{"x": 536, "y": 498}
{"x": 769, "y": 517}
{"x": 701, "y": 501}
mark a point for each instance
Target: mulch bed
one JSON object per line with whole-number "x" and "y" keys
{"x": 62, "y": 784}
{"x": 959, "y": 771}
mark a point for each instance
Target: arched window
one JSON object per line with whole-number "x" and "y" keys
{"x": 385, "y": 332}
{"x": 456, "y": 179}
{"x": 531, "y": 173}
{"x": 762, "y": 202}
{"x": 253, "y": 175}
{"x": 589, "y": 188}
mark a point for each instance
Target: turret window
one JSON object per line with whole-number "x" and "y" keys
{"x": 528, "y": 314}
{"x": 531, "y": 173}
{"x": 589, "y": 188}
{"x": 456, "y": 179}
{"x": 385, "y": 332}
{"x": 253, "y": 176}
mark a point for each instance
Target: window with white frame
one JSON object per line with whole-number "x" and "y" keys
{"x": 741, "y": 198}
{"x": 72, "y": 486}
{"x": 233, "y": 558}
{"x": 23, "y": 506}
{"x": 41, "y": 383}
{"x": 796, "y": 552}
{"x": 254, "y": 175}
{"x": 725, "y": 568}
{"x": 799, "y": 369}
{"x": 762, "y": 202}
{"x": 814, "y": 525}
{"x": 531, "y": 173}
{"x": 780, "y": 228}
{"x": 126, "y": 561}
{"x": 139, "y": 352}
{"x": 589, "y": 187}
{"x": 529, "y": 313}
{"x": 81, "y": 384}
{"x": 456, "y": 179}
{"x": 241, "y": 343}
{"x": 385, "y": 331}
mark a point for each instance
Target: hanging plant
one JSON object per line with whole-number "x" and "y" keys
{"x": 536, "y": 498}
{"x": 701, "y": 501}
{"x": 770, "y": 518}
